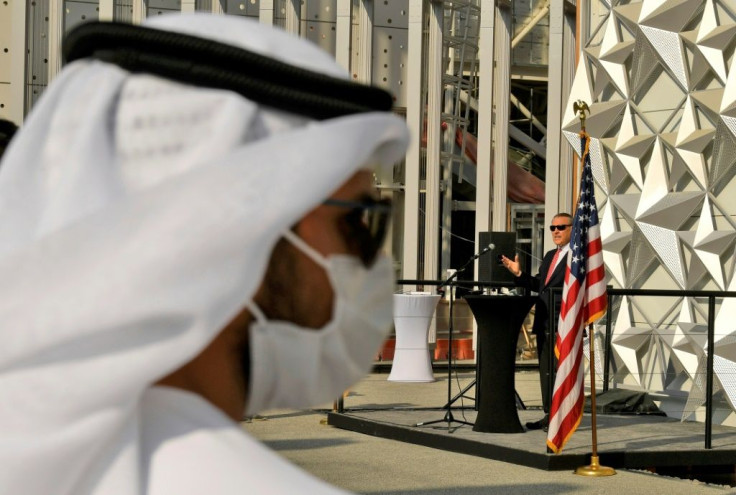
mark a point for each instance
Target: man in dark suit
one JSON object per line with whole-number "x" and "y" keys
{"x": 551, "y": 274}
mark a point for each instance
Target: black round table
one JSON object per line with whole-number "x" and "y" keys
{"x": 499, "y": 320}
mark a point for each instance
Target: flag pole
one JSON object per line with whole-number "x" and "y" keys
{"x": 594, "y": 468}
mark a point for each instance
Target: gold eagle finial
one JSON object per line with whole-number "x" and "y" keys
{"x": 580, "y": 108}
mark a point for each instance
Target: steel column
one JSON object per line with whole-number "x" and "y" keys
{"x": 486, "y": 40}
{"x": 434, "y": 140}
{"x": 414, "y": 106}
{"x": 501, "y": 117}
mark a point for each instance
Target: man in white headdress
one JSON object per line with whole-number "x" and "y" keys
{"x": 188, "y": 234}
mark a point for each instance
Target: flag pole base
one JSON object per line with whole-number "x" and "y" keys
{"x": 595, "y": 469}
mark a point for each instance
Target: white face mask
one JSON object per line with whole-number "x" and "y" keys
{"x": 295, "y": 367}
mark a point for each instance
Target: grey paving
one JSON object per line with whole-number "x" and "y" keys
{"x": 367, "y": 464}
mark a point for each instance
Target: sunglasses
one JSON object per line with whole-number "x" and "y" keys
{"x": 364, "y": 225}
{"x": 552, "y": 228}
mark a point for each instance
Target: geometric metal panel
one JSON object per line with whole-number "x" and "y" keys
{"x": 628, "y": 14}
{"x": 673, "y": 17}
{"x": 667, "y": 247}
{"x": 669, "y": 176}
{"x": 615, "y": 244}
{"x": 673, "y": 210}
{"x": 667, "y": 45}
{"x": 724, "y": 156}
{"x": 645, "y": 62}
{"x": 597, "y": 164}
{"x": 642, "y": 260}
{"x": 724, "y": 381}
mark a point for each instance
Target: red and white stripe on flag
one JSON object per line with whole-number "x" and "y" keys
{"x": 583, "y": 301}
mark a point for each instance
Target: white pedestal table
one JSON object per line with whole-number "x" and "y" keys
{"x": 412, "y": 316}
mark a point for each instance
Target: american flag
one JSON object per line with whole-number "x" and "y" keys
{"x": 583, "y": 301}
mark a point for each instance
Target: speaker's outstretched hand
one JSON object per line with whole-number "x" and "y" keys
{"x": 512, "y": 266}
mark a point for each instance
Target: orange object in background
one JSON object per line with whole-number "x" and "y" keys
{"x": 387, "y": 350}
{"x": 461, "y": 349}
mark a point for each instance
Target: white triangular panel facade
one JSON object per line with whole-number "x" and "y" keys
{"x": 664, "y": 108}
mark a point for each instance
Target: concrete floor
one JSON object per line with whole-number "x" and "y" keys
{"x": 371, "y": 465}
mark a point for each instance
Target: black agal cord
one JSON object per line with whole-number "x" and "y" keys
{"x": 203, "y": 62}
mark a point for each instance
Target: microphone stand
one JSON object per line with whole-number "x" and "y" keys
{"x": 449, "y": 418}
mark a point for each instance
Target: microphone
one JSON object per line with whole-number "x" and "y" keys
{"x": 490, "y": 247}
{"x": 462, "y": 268}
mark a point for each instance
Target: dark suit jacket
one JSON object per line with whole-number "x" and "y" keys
{"x": 536, "y": 284}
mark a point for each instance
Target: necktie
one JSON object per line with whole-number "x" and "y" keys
{"x": 552, "y": 266}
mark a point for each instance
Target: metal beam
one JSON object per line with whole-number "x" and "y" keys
{"x": 217, "y": 7}
{"x": 140, "y": 9}
{"x": 537, "y": 147}
{"x": 16, "y": 109}
{"x": 56, "y": 31}
{"x": 486, "y": 39}
{"x": 365, "y": 41}
{"x": 343, "y": 27}
{"x": 292, "y": 16}
{"x": 188, "y": 5}
{"x": 559, "y": 172}
{"x": 501, "y": 117}
{"x": 107, "y": 10}
{"x": 533, "y": 146}
{"x": 434, "y": 140}
{"x": 541, "y": 14}
{"x": 414, "y": 106}
{"x": 265, "y": 12}
{"x": 528, "y": 114}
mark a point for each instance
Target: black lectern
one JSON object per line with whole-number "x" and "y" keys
{"x": 499, "y": 320}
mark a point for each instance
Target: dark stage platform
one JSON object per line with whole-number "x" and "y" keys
{"x": 623, "y": 441}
